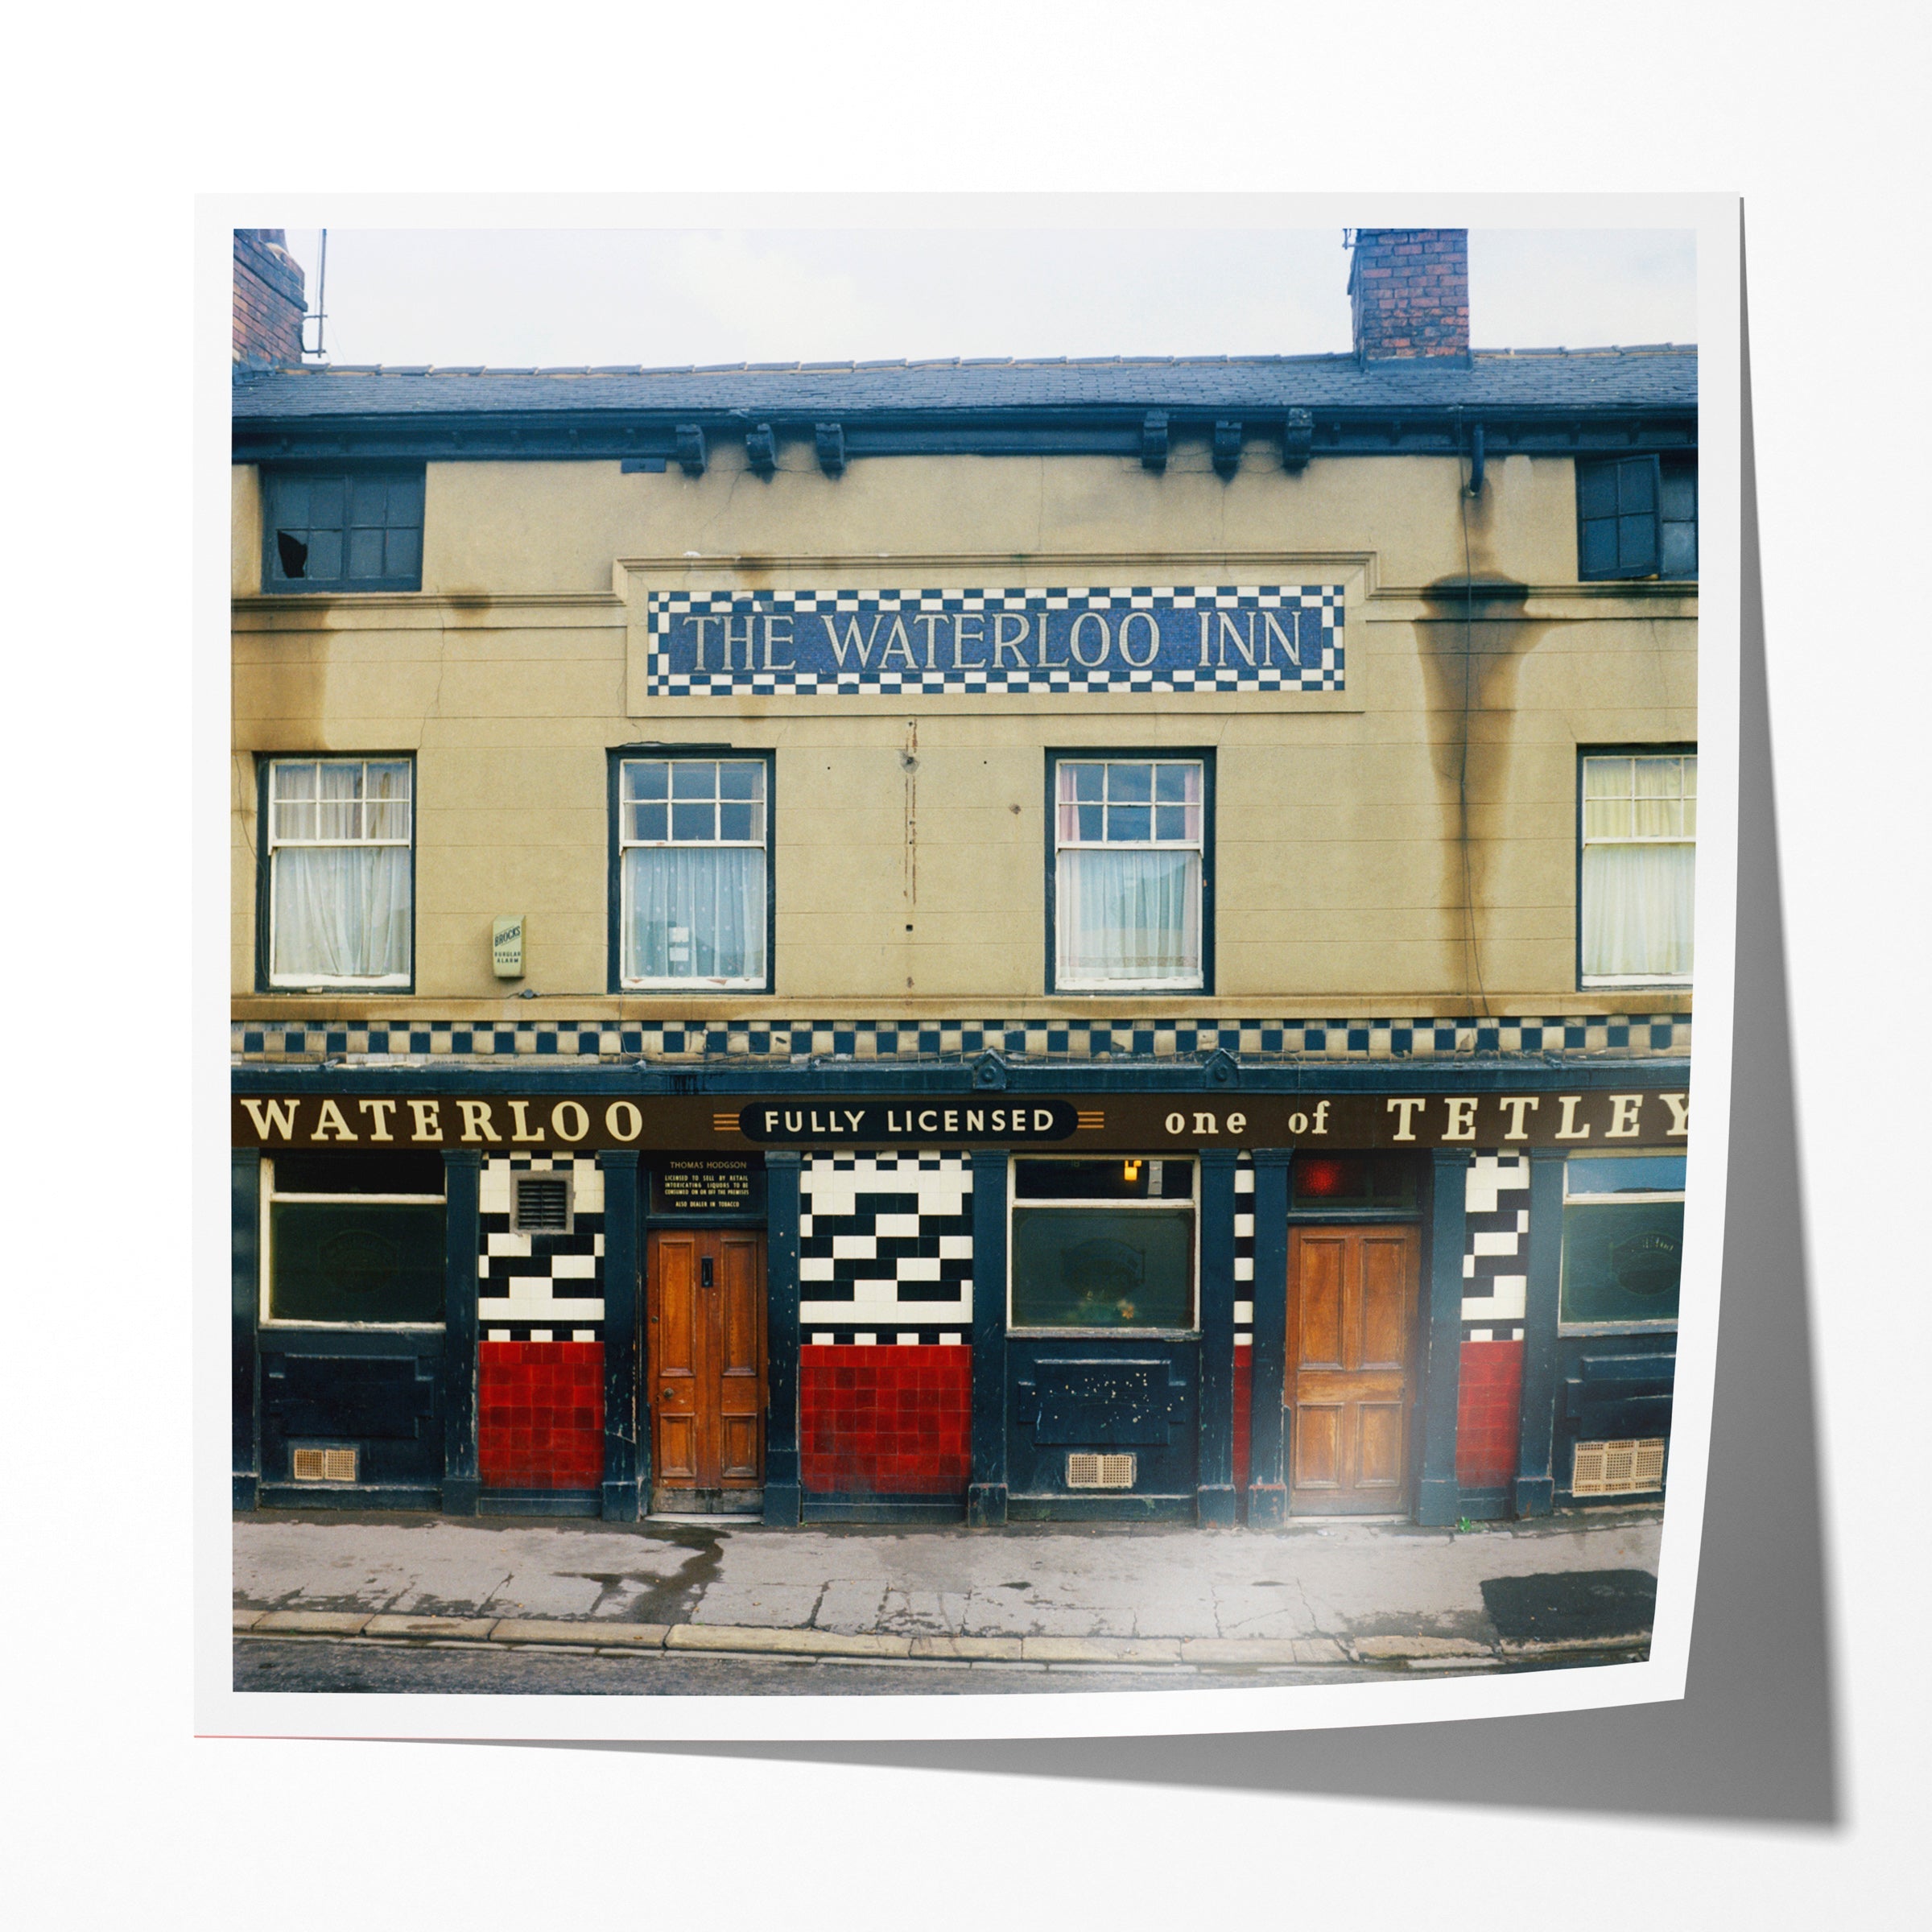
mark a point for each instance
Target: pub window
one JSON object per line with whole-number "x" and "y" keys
{"x": 1129, "y": 884}
{"x": 353, "y": 1238}
{"x": 694, "y": 888}
{"x": 1638, "y": 870}
{"x": 1636, "y": 517}
{"x": 341, "y": 530}
{"x": 1623, "y": 1242}
{"x": 1105, "y": 1246}
{"x": 338, "y": 861}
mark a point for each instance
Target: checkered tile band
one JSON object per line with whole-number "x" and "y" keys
{"x": 386, "y": 1042}
{"x": 982, "y": 643}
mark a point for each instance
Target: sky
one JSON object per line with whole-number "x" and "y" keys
{"x": 565, "y": 297}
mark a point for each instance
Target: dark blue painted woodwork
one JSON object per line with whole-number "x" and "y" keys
{"x": 244, "y": 1303}
{"x": 1438, "y": 1497}
{"x": 1613, "y": 1386}
{"x": 1216, "y": 1479}
{"x": 1104, "y": 1393}
{"x": 847, "y": 1508}
{"x": 1535, "y": 1484}
{"x": 784, "y": 1487}
{"x": 626, "y": 1453}
{"x": 367, "y": 1398}
{"x": 986, "y": 1495}
{"x": 539, "y": 1502}
{"x": 462, "y": 1181}
{"x": 1267, "y": 1484}
{"x": 380, "y": 1393}
{"x": 1104, "y": 1404}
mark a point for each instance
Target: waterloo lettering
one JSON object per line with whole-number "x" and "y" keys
{"x": 587, "y": 1123}
{"x": 1170, "y": 638}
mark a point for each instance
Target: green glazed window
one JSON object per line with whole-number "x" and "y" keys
{"x": 1099, "y": 1268}
{"x": 1621, "y": 1261}
{"x": 355, "y": 1261}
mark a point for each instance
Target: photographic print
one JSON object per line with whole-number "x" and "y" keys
{"x": 963, "y": 957}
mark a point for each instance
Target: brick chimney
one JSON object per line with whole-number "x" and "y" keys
{"x": 270, "y": 298}
{"x": 1409, "y": 291}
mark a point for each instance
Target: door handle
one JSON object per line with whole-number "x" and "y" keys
{"x": 705, "y": 1278}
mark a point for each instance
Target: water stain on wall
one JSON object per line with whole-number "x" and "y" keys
{"x": 1471, "y": 643}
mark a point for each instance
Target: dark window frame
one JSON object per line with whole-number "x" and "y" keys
{"x": 1565, "y": 1326}
{"x": 267, "y": 1318}
{"x": 1674, "y": 748}
{"x": 1677, "y": 464}
{"x": 265, "y": 867}
{"x": 616, "y": 756}
{"x": 1203, "y": 754}
{"x": 275, "y": 584}
{"x": 1162, "y": 1204}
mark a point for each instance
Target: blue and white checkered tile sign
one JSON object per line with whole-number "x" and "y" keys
{"x": 956, "y": 643}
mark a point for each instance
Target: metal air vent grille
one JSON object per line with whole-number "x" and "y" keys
{"x": 542, "y": 1204}
{"x": 323, "y": 1465}
{"x": 1085, "y": 1471}
{"x": 1622, "y": 1468}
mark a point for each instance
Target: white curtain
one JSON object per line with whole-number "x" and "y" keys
{"x": 341, "y": 911}
{"x": 692, "y": 912}
{"x": 1129, "y": 915}
{"x": 1636, "y": 909}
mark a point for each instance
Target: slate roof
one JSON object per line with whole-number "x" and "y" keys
{"x": 1657, "y": 378}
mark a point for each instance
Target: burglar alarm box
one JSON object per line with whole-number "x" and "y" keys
{"x": 507, "y": 945}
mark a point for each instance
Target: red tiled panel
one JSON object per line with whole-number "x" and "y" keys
{"x": 540, "y": 1414}
{"x": 1488, "y": 1413}
{"x": 892, "y": 1421}
{"x": 1244, "y": 1409}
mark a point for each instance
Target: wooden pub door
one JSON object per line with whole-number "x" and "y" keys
{"x": 1351, "y": 1384}
{"x": 705, "y": 1357}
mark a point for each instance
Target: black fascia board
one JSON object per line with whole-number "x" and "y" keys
{"x": 1479, "y": 1074}
{"x": 1393, "y": 429}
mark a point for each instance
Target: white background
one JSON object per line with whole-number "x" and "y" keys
{"x": 116, "y": 1812}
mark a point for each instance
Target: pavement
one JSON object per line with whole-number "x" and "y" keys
{"x": 1375, "y": 1593}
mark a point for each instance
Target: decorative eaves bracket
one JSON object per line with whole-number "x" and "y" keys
{"x": 1297, "y": 439}
{"x": 1153, "y": 441}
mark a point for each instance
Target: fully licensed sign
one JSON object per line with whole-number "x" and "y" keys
{"x": 1218, "y": 637}
{"x": 1640, "y": 1117}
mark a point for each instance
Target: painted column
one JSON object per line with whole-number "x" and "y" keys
{"x": 986, "y": 1493}
{"x": 244, "y": 1308}
{"x": 784, "y": 1489}
{"x": 1439, "y": 1500}
{"x": 626, "y": 1475}
{"x": 462, "y": 1186}
{"x": 1267, "y": 1479}
{"x": 1535, "y": 1478}
{"x": 1214, "y": 1475}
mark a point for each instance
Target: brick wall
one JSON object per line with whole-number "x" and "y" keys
{"x": 269, "y": 299}
{"x": 540, "y": 1414}
{"x": 1487, "y": 1414}
{"x": 885, "y": 1421}
{"x": 1409, "y": 291}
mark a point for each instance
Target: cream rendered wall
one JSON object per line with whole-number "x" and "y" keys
{"x": 1341, "y": 864}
